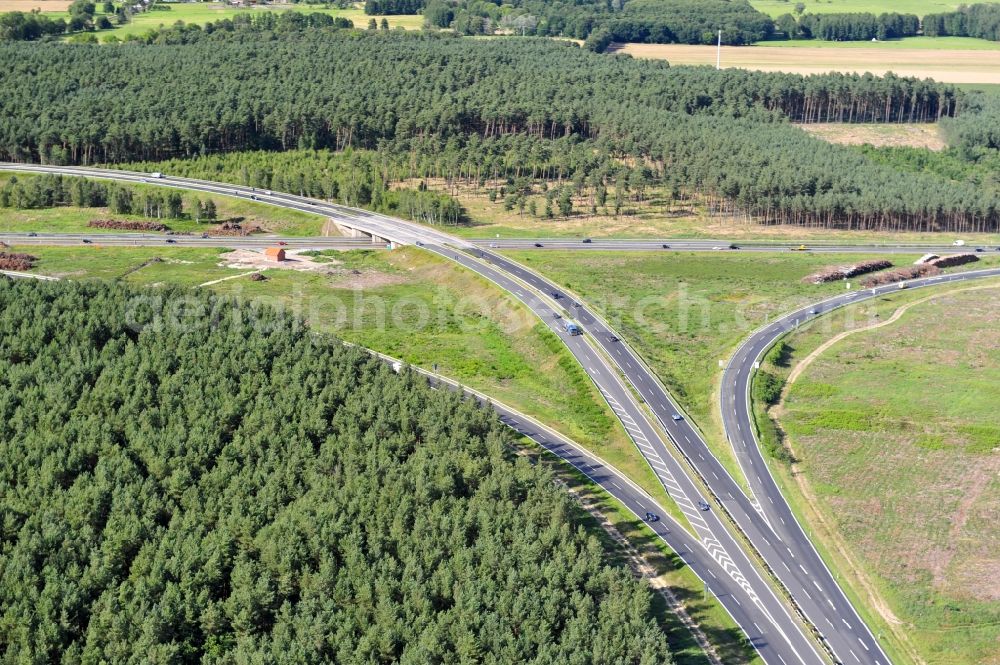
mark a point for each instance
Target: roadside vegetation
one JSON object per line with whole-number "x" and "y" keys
{"x": 894, "y": 446}
{"x": 67, "y": 204}
{"x": 304, "y": 489}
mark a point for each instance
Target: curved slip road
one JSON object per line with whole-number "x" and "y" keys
{"x": 779, "y": 636}
{"x": 740, "y": 429}
{"x": 766, "y": 620}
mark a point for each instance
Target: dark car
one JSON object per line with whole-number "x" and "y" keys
{"x": 253, "y": 197}
{"x": 282, "y": 243}
{"x": 538, "y": 244}
{"x": 734, "y": 247}
{"x": 652, "y": 517}
{"x": 587, "y": 240}
{"x": 171, "y": 240}
{"x": 612, "y": 338}
{"x": 420, "y": 244}
{"x": 665, "y": 246}
{"x": 86, "y": 241}
{"x": 204, "y": 235}
{"x": 703, "y": 505}
{"x": 32, "y": 234}
{"x": 576, "y": 304}
{"x": 555, "y": 295}
{"x": 980, "y": 249}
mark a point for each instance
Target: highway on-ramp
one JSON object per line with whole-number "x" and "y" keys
{"x": 674, "y": 448}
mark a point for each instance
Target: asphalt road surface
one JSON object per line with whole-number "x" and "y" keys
{"x": 718, "y": 245}
{"x": 681, "y": 459}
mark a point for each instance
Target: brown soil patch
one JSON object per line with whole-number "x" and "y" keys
{"x": 28, "y": 5}
{"x": 243, "y": 259}
{"x": 946, "y": 66}
{"x": 922, "y": 135}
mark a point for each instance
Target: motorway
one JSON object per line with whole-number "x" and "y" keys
{"x": 720, "y": 245}
{"x": 738, "y": 421}
{"x": 673, "y": 447}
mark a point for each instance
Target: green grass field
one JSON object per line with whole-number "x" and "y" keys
{"x": 686, "y": 312}
{"x": 166, "y": 14}
{"x": 918, "y": 7}
{"x": 896, "y": 435}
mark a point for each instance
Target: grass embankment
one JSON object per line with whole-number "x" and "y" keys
{"x": 896, "y": 439}
{"x": 686, "y": 312}
{"x": 437, "y": 315}
{"x": 67, "y": 219}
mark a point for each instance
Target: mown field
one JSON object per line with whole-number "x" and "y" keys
{"x": 430, "y": 313}
{"x": 898, "y": 458}
{"x": 916, "y": 135}
{"x": 930, "y": 60}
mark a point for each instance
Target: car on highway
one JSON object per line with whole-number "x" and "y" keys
{"x": 903, "y": 285}
{"x": 814, "y": 311}
{"x": 156, "y": 174}
{"x": 587, "y": 241}
{"x": 253, "y": 197}
{"x": 800, "y": 248}
{"x": 171, "y": 241}
{"x": 612, "y": 338}
{"x": 538, "y": 244}
{"x": 980, "y": 249}
{"x": 572, "y": 328}
{"x": 555, "y": 295}
{"x": 32, "y": 234}
{"x": 665, "y": 246}
{"x": 493, "y": 245}
{"x": 420, "y": 244}
{"x": 86, "y": 241}
{"x": 267, "y": 191}
{"x": 282, "y": 243}
{"x": 652, "y": 517}
{"x": 576, "y": 304}
{"x": 556, "y": 315}
{"x": 734, "y": 247}
{"x": 677, "y": 417}
{"x": 703, "y": 505}
{"x": 204, "y": 235}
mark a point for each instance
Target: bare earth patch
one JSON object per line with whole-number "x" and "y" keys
{"x": 945, "y": 66}
{"x": 242, "y": 259}
{"x": 922, "y": 135}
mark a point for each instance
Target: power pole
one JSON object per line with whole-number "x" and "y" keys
{"x": 718, "y": 52}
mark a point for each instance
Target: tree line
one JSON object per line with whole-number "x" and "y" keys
{"x": 856, "y": 26}
{"x": 980, "y": 20}
{"x": 50, "y": 191}
{"x": 208, "y": 481}
{"x": 696, "y": 129}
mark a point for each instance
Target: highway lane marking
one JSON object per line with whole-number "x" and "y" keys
{"x": 716, "y": 475}
{"x": 757, "y": 627}
{"x": 855, "y": 655}
{"x": 809, "y": 595}
{"x": 818, "y": 587}
{"x": 847, "y": 624}
{"x": 786, "y": 566}
{"x": 803, "y": 569}
{"x": 780, "y": 658}
{"x": 737, "y": 601}
{"x": 863, "y": 644}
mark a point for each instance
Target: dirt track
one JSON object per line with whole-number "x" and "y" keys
{"x": 943, "y": 65}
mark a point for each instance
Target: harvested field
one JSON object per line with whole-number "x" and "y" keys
{"x": 28, "y": 5}
{"x": 922, "y": 135}
{"x": 957, "y": 66}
